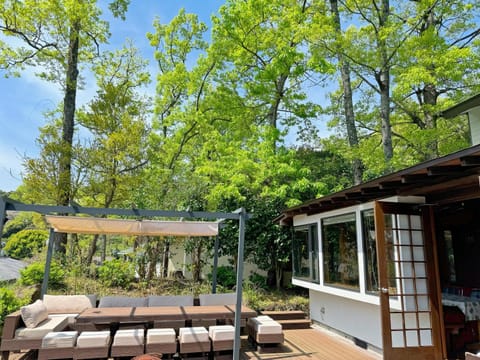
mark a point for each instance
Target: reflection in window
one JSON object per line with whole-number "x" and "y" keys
{"x": 370, "y": 249}
{"x": 339, "y": 244}
{"x": 447, "y": 235}
{"x": 305, "y": 253}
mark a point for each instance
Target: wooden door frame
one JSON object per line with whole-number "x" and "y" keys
{"x": 432, "y": 275}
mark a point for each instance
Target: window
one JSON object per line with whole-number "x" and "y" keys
{"x": 370, "y": 250}
{"x": 340, "y": 258}
{"x": 305, "y": 253}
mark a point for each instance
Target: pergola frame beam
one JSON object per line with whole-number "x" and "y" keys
{"x": 240, "y": 215}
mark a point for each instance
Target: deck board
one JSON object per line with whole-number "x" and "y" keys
{"x": 312, "y": 344}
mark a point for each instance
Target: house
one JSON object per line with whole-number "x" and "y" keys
{"x": 380, "y": 259}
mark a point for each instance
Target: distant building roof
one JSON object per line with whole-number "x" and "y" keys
{"x": 10, "y": 268}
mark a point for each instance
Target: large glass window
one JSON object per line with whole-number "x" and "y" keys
{"x": 305, "y": 253}
{"x": 370, "y": 250}
{"x": 340, "y": 257}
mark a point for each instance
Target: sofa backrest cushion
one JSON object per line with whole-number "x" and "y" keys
{"x": 170, "y": 300}
{"x": 34, "y": 314}
{"x": 65, "y": 304}
{"x": 122, "y": 301}
{"x": 218, "y": 299}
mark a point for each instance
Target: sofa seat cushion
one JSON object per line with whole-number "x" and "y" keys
{"x": 93, "y": 339}
{"x": 265, "y": 325}
{"x": 62, "y": 304}
{"x": 161, "y": 336}
{"x": 221, "y": 332}
{"x": 34, "y": 314}
{"x": 193, "y": 334}
{"x": 59, "y": 339}
{"x": 129, "y": 337}
{"x": 52, "y": 323}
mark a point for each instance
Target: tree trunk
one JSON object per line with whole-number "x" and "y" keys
{"x": 103, "y": 255}
{"x": 383, "y": 80}
{"x": 197, "y": 260}
{"x": 92, "y": 250}
{"x": 69, "y": 100}
{"x": 166, "y": 254}
{"x": 357, "y": 165}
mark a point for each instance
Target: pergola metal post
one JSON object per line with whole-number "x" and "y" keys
{"x": 238, "y": 309}
{"x": 46, "y": 275}
{"x": 215, "y": 266}
{"x": 3, "y": 214}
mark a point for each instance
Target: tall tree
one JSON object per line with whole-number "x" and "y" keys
{"x": 118, "y": 123}
{"x": 56, "y": 36}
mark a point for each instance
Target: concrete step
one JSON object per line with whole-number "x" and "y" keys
{"x": 285, "y": 315}
{"x": 295, "y": 324}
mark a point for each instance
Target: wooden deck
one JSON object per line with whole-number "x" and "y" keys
{"x": 313, "y": 343}
{"x": 300, "y": 344}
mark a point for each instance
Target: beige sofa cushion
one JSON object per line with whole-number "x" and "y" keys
{"x": 63, "y": 304}
{"x": 129, "y": 337}
{"x": 54, "y": 323}
{"x": 34, "y": 314}
{"x": 221, "y": 332}
{"x": 93, "y": 339}
{"x": 60, "y": 339}
{"x": 193, "y": 334}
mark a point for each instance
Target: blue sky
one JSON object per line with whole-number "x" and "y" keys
{"x": 25, "y": 99}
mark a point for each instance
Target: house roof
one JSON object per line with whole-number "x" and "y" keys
{"x": 462, "y": 107}
{"x": 444, "y": 180}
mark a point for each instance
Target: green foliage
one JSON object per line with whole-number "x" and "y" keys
{"x": 226, "y": 277}
{"x": 35, "y": 272}
{"x": 258, "y": 280}
{"x": 26, "y": 243}
{"x": 21, "y": 221}
{"x": 9, "y": 302}
{"x": 116, "y": 273}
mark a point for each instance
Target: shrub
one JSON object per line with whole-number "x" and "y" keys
{"x": 226, "y": 277}
{"x": 26, "y": 243}
{"x": 34, "y": 273}
{"x": 116, "y": 273}
{"x": 8, "y": 303}
{"x": 258, "y": 280}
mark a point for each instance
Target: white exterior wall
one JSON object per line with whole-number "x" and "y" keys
{"x": 356, "y": 319}
{"x": 474, "y": 120}
{"x": 179, "y": 260}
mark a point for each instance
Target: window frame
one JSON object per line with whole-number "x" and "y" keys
{"x": 313, "y": 253}
{"x": 348, "y": 217}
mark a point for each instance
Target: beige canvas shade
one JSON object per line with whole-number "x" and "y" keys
{"x": 92, "y": 225}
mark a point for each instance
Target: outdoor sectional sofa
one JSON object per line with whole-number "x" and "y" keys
{"x": 25, "y": 328}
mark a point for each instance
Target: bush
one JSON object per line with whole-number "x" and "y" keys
{"x": 26, "y": 243}
{"x": 116, "y": 273}
{"x": 226, "y": 277}
{"x": 258, "y": 280}
{"x": 34, "y": 273}
{"x": 8, "y": 303}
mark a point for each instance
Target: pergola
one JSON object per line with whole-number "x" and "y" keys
{"x": 96, "y": 223}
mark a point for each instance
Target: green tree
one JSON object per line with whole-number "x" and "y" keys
{"x": 118, "y": 123}
{"x": 55, "y": 37}
{"x": 26, "y": 243}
